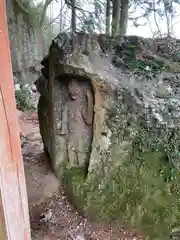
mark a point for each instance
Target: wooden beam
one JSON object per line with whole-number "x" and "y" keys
{"x": 14, "y": 216}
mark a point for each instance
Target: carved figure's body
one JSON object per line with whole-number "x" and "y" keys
{"x": 79, "y": 114}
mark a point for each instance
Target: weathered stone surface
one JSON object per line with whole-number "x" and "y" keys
{"x": 99, "y": 95}
{"x": 26, "y": 45}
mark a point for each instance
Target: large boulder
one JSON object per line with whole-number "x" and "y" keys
{"x": 104, "y": 100}
{"x": 74, "y": 105}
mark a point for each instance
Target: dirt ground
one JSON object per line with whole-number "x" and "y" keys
{"x": 51, "y": 215}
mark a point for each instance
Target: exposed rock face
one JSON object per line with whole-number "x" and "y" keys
{"x": 26, "y": 46}
{"x": 94, "y": 105}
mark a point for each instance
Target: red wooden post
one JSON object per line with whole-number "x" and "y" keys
{"x": 14, "y": 216}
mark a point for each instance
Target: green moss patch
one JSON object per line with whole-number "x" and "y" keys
{"x": 74, "y": 186}
{"x": 143, "y": 193}
{"x": 24, "y": 100}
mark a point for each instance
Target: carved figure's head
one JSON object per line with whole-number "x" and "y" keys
{"x": 74, "y": 89}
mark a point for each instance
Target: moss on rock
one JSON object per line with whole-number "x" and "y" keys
{"x": 74, "y": 185}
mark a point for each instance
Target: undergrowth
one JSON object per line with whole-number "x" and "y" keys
{"x": 144, "y": 193}
{"x": 24, "y": 99}
{"x": 73, "y": 181}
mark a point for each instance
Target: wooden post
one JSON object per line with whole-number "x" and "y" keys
{"x": 14, "y": 216}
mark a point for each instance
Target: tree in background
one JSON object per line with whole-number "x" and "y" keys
{"x": 87, "y": 20}
{"x": 115, "y": 17}
{"x": 35, "y": 16}
{"x": 73, "y": 17}
{"x": 109, "y": 16}
{"x": 33, "y": 13}
{"x": 157, "y": 11}
{"x": 124, "y": 17}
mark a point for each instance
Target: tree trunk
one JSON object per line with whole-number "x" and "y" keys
{"x": 73, "y": 17}
{"x": 73, "y": 22}
{"x": 124, "y": 17}
{"x": 61, "y": 17}
{"x": 46, "y": 5}
{"x": 108, "y": 16}
{"x": 116, "y": 17}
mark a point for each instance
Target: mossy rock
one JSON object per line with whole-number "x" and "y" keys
{"x": 74, "y": 186}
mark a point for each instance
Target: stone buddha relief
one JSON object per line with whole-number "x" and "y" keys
{"x": 77, "y": 122}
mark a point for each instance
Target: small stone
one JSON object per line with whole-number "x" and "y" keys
{"x": 79, "y": 238}
{"x": 33, "y": 88}
{"x": 147, "y": 68}
{"x": 17, "y": 87}
{"x": 44, "y": 217}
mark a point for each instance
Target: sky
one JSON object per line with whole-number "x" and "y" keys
{"x": 149, "y": 28}
{"x": 145, "y": 31}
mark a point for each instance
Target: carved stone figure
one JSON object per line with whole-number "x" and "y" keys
{"x": 77, "y": 119}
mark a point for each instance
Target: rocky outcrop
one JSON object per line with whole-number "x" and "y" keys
{"x": 102, "y": 99}
{"x": 109, "y": 119}
{"x": 26, "y": 45}
{"x": 75, "y": 119}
